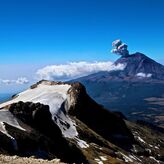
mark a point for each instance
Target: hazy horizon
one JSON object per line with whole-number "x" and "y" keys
{"x": 35, "y": 34}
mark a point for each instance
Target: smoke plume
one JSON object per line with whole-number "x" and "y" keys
{"x": 120, "y": 48}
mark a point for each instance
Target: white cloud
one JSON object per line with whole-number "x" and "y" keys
{"x": 20, "y": 80}
{"x": 75, "y": 70}
{"x": 6, "y": 81}
{"x": 143, "y": 75}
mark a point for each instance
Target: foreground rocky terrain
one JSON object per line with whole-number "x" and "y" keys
{"x": 6, "y": 159}
{"x": 60, "y": 120}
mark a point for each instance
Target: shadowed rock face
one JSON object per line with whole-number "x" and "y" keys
{"x": 38, "y": 117}
{"x": 107, "y": 124}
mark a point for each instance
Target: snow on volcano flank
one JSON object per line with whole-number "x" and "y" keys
{"x": 54, "y": 95}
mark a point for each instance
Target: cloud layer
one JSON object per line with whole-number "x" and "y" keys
{"x": 19, "y": 81}
{"x": 75, "y": 70}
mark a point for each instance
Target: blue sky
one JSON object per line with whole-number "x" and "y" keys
{"x": 35, "y": 33}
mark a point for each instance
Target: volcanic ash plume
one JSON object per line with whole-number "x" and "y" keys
{"x": 120, "y": 48}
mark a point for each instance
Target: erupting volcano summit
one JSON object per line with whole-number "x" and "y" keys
{"x": 120, "y": 48}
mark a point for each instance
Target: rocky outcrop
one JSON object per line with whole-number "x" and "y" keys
{"x": 105, "y": 123}
{"x": 60, "y": 120}
{"x": 39, "y": 118}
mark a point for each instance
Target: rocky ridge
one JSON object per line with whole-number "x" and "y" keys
{"x": 59, "y": 120}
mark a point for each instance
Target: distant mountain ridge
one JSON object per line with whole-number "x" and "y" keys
{"x": 137, "y": 67}
{"x": 132, "y": 89}
{"x": 140, "y": 65}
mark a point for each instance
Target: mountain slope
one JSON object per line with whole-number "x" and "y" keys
{"x": 60, "y": 120}
{"x": 130, "y": 90}
{"x": 140, "y": 65}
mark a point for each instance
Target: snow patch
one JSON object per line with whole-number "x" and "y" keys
{"x": 126, "y": 158}
{"x": 156, "y": 147}
{"x": 134, "y": 157}
{"x": 136, "y": 135}
{"x": 150, "y": 145}
{"x": 103, "y": 158}
{"x": 98, "y": 161}
{"x": 55, "y": 96}
{"x": 154, "y": 159}
{"x": 7, "y": 117}
{"x": 4, "y": 131}
{"x": 140, "y": 139}
{"x": 81, "y": 143}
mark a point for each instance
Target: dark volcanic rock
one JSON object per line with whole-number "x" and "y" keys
{"x": 38, "y": 117}
{"x": 106, "y": 123}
